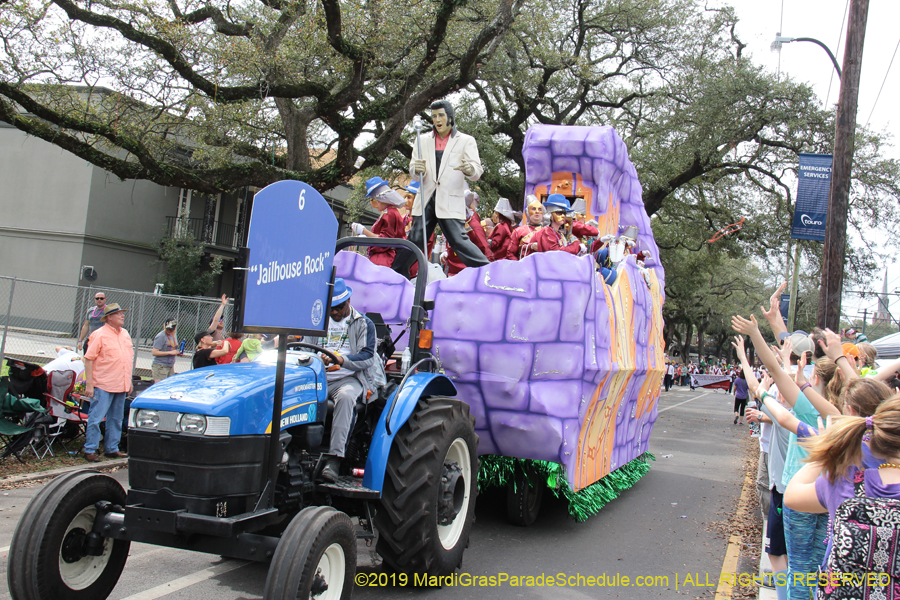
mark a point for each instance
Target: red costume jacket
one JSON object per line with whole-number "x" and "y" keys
{"x": 388, "y": 225}
{"x": 501, "y": 237}
{"x": 515, "y": 242}
{"x": 547, "y": 239}
{"x": 580, "y": 230}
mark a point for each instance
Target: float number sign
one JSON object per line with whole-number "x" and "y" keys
{"x": 291, "y": 239}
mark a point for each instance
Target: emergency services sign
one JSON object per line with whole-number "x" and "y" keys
{"x": 291, "y": 239}
{"x": 813, "y": 189}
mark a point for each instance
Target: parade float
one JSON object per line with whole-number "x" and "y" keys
{"x": 561, "y": 370}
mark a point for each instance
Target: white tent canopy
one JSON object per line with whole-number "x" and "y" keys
{"x": 888, "y": 346}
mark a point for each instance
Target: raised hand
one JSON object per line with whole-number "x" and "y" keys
{"x": 766, "y": 383}
{"x": 742, "y": 325}
{"x": 799, "y": 376}
{"x": 785, "y": 352}
{"x": 774, "y": 303}
{"x": 832, "y": 345}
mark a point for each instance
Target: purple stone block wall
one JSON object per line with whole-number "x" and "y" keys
{"x": 527, "y": 364}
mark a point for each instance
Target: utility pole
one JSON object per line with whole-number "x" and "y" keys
{"x": 836, "y": 223}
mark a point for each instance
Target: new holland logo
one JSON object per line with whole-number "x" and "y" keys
{"x": 809, "y": 221}
{"x": 294, "y": 419}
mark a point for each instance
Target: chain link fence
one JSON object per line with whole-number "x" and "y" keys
{"x": 36, "y": 317}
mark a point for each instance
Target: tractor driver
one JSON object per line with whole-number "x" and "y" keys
{"x": 357, "y": 375}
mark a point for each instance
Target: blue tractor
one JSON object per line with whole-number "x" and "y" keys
{"x": 207, "y": 471}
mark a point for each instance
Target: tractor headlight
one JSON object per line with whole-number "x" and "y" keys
{"x": 192, "y": 423}
{"x": 146, "y": 419}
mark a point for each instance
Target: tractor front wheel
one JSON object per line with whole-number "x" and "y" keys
{"x": 315, "y": 559}
{"x": 54, "y": 555}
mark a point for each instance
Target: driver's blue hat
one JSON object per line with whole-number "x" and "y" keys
{"x": 556, "y": 202}
{"x": 341, "y": 293}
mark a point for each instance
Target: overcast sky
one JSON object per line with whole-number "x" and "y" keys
{"x": 826, "y": 21}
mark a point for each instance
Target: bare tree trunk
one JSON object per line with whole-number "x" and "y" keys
{"x": 688, "y": 336}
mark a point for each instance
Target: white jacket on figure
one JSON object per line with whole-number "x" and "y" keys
{"x": 450, "y": 184}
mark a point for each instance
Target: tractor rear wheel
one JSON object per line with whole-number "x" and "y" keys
{"x": 430, "y": 484}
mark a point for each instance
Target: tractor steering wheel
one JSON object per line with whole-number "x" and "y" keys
{"x": 328, "y": 353}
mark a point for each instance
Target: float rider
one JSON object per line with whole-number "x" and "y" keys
{"x": 555, "y": 237}
{"x": 520, "y": 240}
{"x": 357, "y": 375}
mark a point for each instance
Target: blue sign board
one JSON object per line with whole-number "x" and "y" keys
{"x": 291, "y": 239}
{"x": 813, "y": 191}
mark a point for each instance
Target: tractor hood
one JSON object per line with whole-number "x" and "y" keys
{"x": 244, "y": 393}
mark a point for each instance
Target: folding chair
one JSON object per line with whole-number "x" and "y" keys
{"x": 46, "y": 429}
{"x": 64, "y": 419}
{"x": 17, "y": 421}
{"x": 68, "y": 408}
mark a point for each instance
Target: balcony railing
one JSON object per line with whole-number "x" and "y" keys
{"x": 214, "y": 233}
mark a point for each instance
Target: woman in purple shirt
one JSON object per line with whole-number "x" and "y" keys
{"x": 740, "y": 398}
{"x": 823, "y": 484}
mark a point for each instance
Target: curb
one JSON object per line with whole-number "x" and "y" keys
{"x": 106, "y": 465}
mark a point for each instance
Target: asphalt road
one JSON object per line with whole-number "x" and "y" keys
{"x": 663, "y": 527}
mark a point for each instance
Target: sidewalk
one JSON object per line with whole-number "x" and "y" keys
{"x": 764, "y": 565}
{"x": 106, "y": 465}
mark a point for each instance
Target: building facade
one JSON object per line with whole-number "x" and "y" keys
{"x": 63, "y": 216}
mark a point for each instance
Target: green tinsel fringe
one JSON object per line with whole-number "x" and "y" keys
{"x": 500, "y": 471}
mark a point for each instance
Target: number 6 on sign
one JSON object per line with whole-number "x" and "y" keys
{"x": 302, "y": 199}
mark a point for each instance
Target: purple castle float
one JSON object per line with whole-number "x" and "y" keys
{"x": 555, "y": 364}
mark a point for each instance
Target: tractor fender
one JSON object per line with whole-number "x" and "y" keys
{"x": 416, "y": 386}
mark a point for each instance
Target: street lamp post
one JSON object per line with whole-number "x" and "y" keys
{"x": 776, "y": 47}
{"x": 781, "y": 39}
{"x": 838, "y": 204}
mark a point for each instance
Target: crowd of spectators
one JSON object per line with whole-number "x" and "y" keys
{"x": 829, "y": 444}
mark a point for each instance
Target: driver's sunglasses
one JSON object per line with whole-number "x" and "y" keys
{"x": 340, "y": 306}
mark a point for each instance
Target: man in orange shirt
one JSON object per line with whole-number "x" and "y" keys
{"x": 108, "y": 364}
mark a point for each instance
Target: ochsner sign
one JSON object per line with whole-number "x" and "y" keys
{"x": 812, "y": 197}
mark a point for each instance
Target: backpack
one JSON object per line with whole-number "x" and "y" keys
{"x": 865, "y": 546}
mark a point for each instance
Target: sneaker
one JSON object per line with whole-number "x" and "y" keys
{"x": 735, "y": 421}
{"x": 768, "y": 580}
